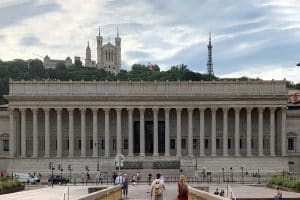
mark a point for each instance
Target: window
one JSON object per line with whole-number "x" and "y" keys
{"x": 183, "y": 143}
{"x": 68, "y": 144}
{"x": 55, "y": 144}
{"x": 114, "y": 144}
{"x": 290, "y": 144}
{"x": 229, "y": 143}
{"x": 125, "y": 143}
{"x": 5, "y": 145}
{"x": 241, "y": 143}
{"x": 218, "y": 143}
{"x": 91, "y": 144}
{"x": 79, "y": 144}
{"x": 252, "y": 143}
{"x": 172, "y": 144}
{"x": 195, "y": 143}
{"x": 206, "y": 143}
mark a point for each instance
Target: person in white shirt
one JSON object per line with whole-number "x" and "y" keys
{"x": 157, "y": 188}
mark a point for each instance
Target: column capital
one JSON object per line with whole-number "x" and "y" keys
{"x": 237, "y": 109}
{"x": 23, "y": 109}
{"x": 118, "y": 110}
{"x": 225, "y": 109}
{"x": 82, "y": 110}
{"x": 261, "y": 109}
{"x": 178, "y": 110}
{"x": 190, "y": 109}
{"x": 106, "y": 109}
{"x": 34, "y": 110}
{"x": 142, "y": 109}
{"x": 58, "y": 109}
{"x": 272, "y": 109}
{"x": 202, "y": 108}
{"x": 46, "y": 109}
{"x": 249, "y": 109}
{"x": 95, "y": 110}
{"x": 130, "y": 109}
{"x": 10, "y": 109}
{"x": 213, "y": 109}
{"x": 155, "y": 110}
{"x": 167, "y": 109}
{"x": 284, "y": 109}
{"x": 70, "y": 110}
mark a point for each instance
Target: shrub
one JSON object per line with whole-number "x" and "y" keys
{"x": 286, "y": 180}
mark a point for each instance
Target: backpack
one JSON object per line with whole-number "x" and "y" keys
{"x": 158, "y": 188}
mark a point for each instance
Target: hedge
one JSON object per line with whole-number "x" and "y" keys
{"x": 286, "y": 180}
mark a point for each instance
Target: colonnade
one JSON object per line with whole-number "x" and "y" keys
{"x": 155, "y": 110}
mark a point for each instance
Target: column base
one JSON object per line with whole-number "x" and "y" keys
{"x": 225, "y": 155}
{"x": 178, "y": 156}
{"x": 249, "y": 155}
{"x": 142, "y": 155}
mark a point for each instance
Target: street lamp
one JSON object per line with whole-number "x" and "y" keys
{"x": 231, "y": 172}
{"x": 203, "y": 173}
{"x": 223, "y": 174}
{"x": 196, "y": 165}
{"x": 242, "y": 168}
{"x": 258, "y": 177}
{"x": 98, "y": 146}
{"x": 51, "y": 167}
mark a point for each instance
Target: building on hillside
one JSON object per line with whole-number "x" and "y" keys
{"x": 51, "y": 63}
{"x": 88, "y": 57}
{"x": 187, "y": 125}
{"x": 109, "y": 55}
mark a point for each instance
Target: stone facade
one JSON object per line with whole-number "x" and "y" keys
{"x": 202, "y": 122}
{"x": 50, "y": 63}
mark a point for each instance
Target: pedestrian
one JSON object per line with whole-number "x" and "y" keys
{"x": 162, "y": 178}
{"x": 222, "y": 193}
{"x": 134, "y": 180}
{"x": 120, "y": 181}
{"x": 278, "y": 195}
{"x": 82, "y": 178}
{"x": 125, "y": 185}
{"x": 157, "y": 188}
{"x": 138, "y": 177}
{"x": 216, "y": 191}
{"x": 114, "y": 177}
{"x": 182, "y": 188}
{"x": 149, "y": 178}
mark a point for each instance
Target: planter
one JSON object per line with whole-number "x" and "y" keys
{"x": 283, "y": 188}
{"x": 11, "y": 190}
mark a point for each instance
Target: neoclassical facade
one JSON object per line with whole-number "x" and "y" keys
{"x": 203, "y": 122}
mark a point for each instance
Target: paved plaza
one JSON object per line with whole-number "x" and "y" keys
{"x": 139, "y": 192}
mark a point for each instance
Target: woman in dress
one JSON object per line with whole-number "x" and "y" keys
{"x": 182, "y": 188}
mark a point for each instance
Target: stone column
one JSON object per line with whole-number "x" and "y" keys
{"x": 23, "y": 132}
{"x": 201, "y": 132}
{"x": 119, "y": 136}
{"x": 167, "y": 132}
{"x": 142, "y": 131}
{"x": 71, "y": 132}
{"x": 35, "y": 132}
{"x": 178, "y": 154}
{"x": 225, "y": 132}
{"x": 283, "y": 131}
{"x": 83, "y": 132}
{"x": 237, "y": 132}
{"x": 213, "y": 132}
{"x": 155, "y": 131}
{"x": 130, "y": 131}
{"x": 106, "y": 132}
{"x": 59, "y": 132}
{"x": 47, "y": 132}
{"x": 272, "y": 131}
{"x": 249, "y": 130}
{"x": 95, "y": 132}
{"x": 190, "y": 131}
{"x": 12, "y": 134}
{"x": 260, "y": 131}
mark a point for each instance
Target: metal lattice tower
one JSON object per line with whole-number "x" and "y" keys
{"x": 210, "y": 69}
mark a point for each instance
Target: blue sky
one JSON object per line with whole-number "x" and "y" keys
{"x": 255, "y": 38}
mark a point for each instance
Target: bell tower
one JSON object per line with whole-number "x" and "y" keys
{"x": 99, "y": 39}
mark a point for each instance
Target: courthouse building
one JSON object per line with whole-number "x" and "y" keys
{"x": 193, "y": 125}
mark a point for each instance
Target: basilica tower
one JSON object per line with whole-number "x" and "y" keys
{"x": 118, "y": 51}
{"x": 99, "y": 39}
{"x": 210, "y": 69}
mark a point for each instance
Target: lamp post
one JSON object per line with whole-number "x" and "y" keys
{"x": 231, "y": 172}
{"x": 223, "y": 174}
{"x": 51, "y": 167}
{"x": 196, "y": 164}
{"x": 98, "y": 146}
{"x": 258, "y": 177}
{"x": 242, "y": 168}
{"x": 203, "y": 173}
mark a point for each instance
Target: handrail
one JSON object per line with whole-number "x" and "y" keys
{"x": 232, "y": 195}
{"x": 66, "y": 194}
